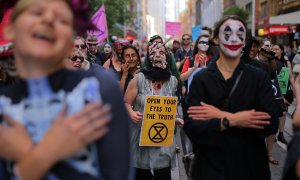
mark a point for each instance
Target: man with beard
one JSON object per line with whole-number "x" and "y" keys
{"x": 154, "y": 79}
{"x": 175, "y": 46}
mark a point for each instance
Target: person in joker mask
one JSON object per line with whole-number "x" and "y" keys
{"x": 228, "y": 131}
{"x": 154, "y": 79}
{"x": 200, "y": 58}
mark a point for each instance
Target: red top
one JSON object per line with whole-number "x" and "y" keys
{"x": 187, "y": 62}
{"x": 5, "y": 45}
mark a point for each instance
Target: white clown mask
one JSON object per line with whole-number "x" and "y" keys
{"x": 203, "y": 44}
{"x": 107, "y": 49}
{"x": 158, "y": 55}
{"x": 232, "y": 37}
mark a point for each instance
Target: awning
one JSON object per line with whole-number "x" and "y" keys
{"x": 290, "y": 18}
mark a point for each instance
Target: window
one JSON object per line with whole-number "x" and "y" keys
{"x": 264, "y": 10}
{"x": 249, "y": 7}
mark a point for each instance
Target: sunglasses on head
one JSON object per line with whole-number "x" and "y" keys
{"x": 74, "y": 58}
{"x": 81, "y": 46}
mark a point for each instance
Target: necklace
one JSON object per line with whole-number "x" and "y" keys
{"x": 156, "y": 85}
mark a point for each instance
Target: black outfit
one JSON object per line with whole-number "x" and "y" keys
{"x": 159, "y": 174}
{"x": 235, "y": 153}
{"x": 117, "y": 73}
{"x": 181, "y": 54}
{"x": 99, "y": 57}
{"x": 73, "y": 88}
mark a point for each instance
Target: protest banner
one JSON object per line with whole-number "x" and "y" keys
{"x": 158, "y": 121}
{"x": 173, "y": 28}
{"x": 99, "y": 21}
{"x": 283, "y": 79}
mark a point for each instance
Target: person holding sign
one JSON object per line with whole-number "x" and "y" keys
{"x": 231, "y": 111}
{"x": 154, "y": 80}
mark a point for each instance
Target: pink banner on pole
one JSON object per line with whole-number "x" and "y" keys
{"x": 99, "y": 20}
{"x": 173, "y": 28}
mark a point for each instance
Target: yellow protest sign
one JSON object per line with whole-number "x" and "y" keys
{"x": 158, "y": 121}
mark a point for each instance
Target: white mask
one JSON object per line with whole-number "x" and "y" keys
{"x": 107, "y": 49}
{"x": 203, "y": 44}
{"x": 232, "y": 37}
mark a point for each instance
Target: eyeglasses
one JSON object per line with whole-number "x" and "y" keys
{"x": 128, "y": 56}
{"x": 186, "y": 39}
{"x": 74, "y": 58}
{"x": 80, "y": 46}
{"x": 89, "y": 44}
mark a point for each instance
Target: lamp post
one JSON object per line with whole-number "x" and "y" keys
{"x": 253, "y": 17}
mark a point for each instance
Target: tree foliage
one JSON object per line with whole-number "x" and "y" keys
{"x": 236, "y": 10}
{"x": 117, "y": 14}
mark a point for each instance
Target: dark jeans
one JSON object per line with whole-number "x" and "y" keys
{"x": 159, "y": 174}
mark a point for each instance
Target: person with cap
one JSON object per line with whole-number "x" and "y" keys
{"x": 93, "y": 45}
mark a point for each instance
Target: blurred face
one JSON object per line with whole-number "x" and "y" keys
{"x": 131, "y": 58}
{"x": 43, "y": 32}
{"x": 254, "y": 51}
{"x": 107, "y": 49}
{"x": 203, "y": 44}
{"x": 232, "y": 37}
{"x": 186, "y": 40}
{"x": 93, "y": 47}
{"x": 278, "y": 51}
{"x": 80, "y": 45}
{"x": 75, "y": 62}
{"x": 157, "y": 55}
{"x": 144, "y": 47}
{"x": 176, "y": 46}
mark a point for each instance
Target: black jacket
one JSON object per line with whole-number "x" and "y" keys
{"x": 235, "y": 153}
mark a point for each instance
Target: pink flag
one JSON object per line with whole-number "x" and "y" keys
{"x": 99, "y": 20}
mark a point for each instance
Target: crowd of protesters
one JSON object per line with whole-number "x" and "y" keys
{"x": 73, "y": 108}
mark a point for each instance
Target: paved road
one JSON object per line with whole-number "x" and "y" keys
{"x": 279, "y": 153}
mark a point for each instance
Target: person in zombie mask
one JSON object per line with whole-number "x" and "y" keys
{"x": 231, "y": 110}
{"x": 115, "y": 64}
{"x": 154, "y": 79}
